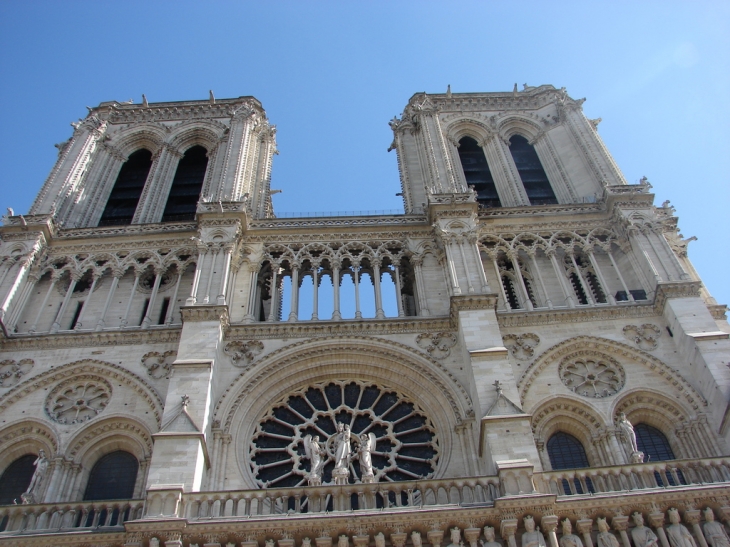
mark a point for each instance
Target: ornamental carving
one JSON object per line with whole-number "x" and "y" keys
{"x": 242, "y": 353}
{"x": 78, "y": 400}
{"x": 645, "y": 336}
{"x": 521, "y": 346}
{"x": 147, "y": 281}
{"x": 11, "y": 371}
{"x": 595, "y": 377}
{"x": 405, "y": 443}
{"x": 158, "y": 364}
{"x": 438, "y": 345}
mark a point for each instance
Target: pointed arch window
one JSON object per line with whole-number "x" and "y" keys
{"x": 186, "y": 186}
{"x": 113, "y": 477}
{"x": 477, "y": 173}
{"x": 537, "y": 186}
{"x": 16, "y": 478}
{"x": 124, "y": 198}
{"x": 653, "y": 443}
{"x": 566, "y": 452}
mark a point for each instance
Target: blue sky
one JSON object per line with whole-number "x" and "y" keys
{"x": 331, "y": 75}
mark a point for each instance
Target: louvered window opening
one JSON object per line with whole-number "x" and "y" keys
{"x": 534, "y": 178}
{"x": 124, "y": 198}
{"x": 184, "y": 194}
{"x": 477, "y": 173}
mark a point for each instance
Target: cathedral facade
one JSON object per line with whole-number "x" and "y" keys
{"x": 524, "y": 352}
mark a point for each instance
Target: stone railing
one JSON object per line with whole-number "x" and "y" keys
{"x": 473, "y": 491}
{"x": 83, "y": 515}
{"x": 642, "y": 476}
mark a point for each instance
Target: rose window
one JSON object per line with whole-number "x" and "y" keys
{"x": 406, "y": 444}
{"x": 77, "y": 401}
{"x": 594, "y": 378}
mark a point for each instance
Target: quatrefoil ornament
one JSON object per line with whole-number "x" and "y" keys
{"x": 438, "y": 345}
{"x": 241, "y": 353}
{"x": 645, "y": 336}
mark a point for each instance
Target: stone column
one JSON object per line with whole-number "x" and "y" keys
{"x": 420, "y": 286}
{"x": 620, "y": 277}
{"x": 228, "y": 251}
{"x": 211, "y": 269}
{"x": 692, "y": 517}
{"x": 560, "y": 274}
{"x": 584, "y": 527}
{"x": 507, "y": 529}
{"x": 620, "y": 523}
{"x": 507, "y": 305}
{"x": 85, "y": 305}
{"x": 336, "y": 315}
{"x": 42, "y": 308}
{"x": 398, "y": 293}
{"x": 274, "y": 290}
{"x": 514, "y": 257}
{"x": 657, "y": 521}
{"x": 173, "y": 300}
{"x": 533, "y": 258}
{"x": 448, "y": 243}
{"x": 379, "y": 313}
{"x": 116, "y": 276}
{"x": 23, "y": 266}
{"x": 465, "y": 264}
{"x": 153, "y": 296}
{"x": 253, "y": 270}
{"x": 583, "y": 283}
{"x": 549, "y": 523}
{"x": 125, "y": 319}
{"x": 59, "y": 316}
{"x": 294, "y": 312}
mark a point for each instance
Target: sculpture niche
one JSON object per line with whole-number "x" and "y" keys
{"x": 339, "y": 448}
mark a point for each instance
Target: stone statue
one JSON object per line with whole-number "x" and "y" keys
{"x": 628, "y": 432}
{"x": 379, "y": 540}
{"x": 605, "y": 538}
{"x": 642, "y": 536}
{"x": 342, "y": 446}
{"x": 677, "y": 533}
{"x": 714, "y": 531}
{"x": 532, "y": 537}
{"x": 569, "y": 539}
{"x": 344, "y": 541}
{"x": 455, "y": 537}
{"x": 416, "y": 538}
{"x": 367, "y": 445}
{"x": 317, "y": 455}
{"x": 41, "y": 466}
{"x": 489, "y": 535}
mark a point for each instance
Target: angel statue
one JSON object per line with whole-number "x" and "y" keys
{"x": 317, "y": 455}
{"x": 367, "y": 445}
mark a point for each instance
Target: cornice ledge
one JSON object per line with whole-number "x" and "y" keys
{"x": 204, "y": 312}
{"x": 718, "y": 311}
{"x": 129, "y": 230}
{"x": 542, "y": 210}
{"x": 575, "y": 315}
{"x": 472, "y": 302}
{"x": 90, "y": 339}
{"x": 314, "y": 329}
{"x": 675, "y": 289}
{"x": 328, "y": 222}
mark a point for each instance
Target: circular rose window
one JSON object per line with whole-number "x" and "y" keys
{"x": 406, "y": 446}
{"x": 78, "y": 400}
{"x": 594, "y": 377}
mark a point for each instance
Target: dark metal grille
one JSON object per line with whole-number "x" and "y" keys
{"x": 123, "y": 200}
{"x": 531, "y": 172}
{"x": 112, "y": 477}
{"x": 477, "y": 173}
{"x": 186, "y": 186}
{"x": 16, "y": 478}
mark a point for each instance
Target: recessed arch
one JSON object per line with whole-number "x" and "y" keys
{"x": 186, "y": 186}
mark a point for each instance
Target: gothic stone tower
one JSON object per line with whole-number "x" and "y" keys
{"x": 528, "y": 338}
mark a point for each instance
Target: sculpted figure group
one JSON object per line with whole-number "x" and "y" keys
{"x": 339, "y": 448}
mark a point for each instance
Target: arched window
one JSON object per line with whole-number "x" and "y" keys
{"x": 123, "y": 200}
{"x": 566, "y": 452}
{"x": 16, "y": 479}
{"x": 477, "y": 173}
{"x": 531, "y": 172}
{"x": 186, "y": 186}
{"x": 653, "y": 443}
{"x": 112, "y": 477}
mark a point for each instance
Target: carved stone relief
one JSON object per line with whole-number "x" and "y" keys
{"x": 437, "y": 345}
{"x": 11, "y": 371}
{"x": 521, "y": 346}
{"x": 242, "y": 353}
{"x": 78, "y": 400}
{"x": 596, "y": 377}
{"x": 645, "y": 336}
{"x": 158, "y": 364}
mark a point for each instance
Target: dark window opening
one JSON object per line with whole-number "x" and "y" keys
{"x": 578, "y": 288}
{"x": 186, "y": 186}
{"x": 509, "y": 291}
{"x": 112, "y": 477}
{"x": 144, "y": 310}
{"x": 596, "y": 289}
{"x": 77, "y": 314}
{"x": 640, "y": 294}
{"x": 123, "y": 200}
{"x": 530, "y": 292}
{"x": 16, "y": 479}
{"x": 566, "y": 452}
{"x": 163, "y": 311}
{"x": 653, "y": 443}
{"x": 477, "y": 173}
{"x": 533, "y": 176}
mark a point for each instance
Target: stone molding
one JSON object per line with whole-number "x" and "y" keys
{"x": 198, "y": 313}
{"x": 134, "y": 230}
{"x": 166, "y": 335}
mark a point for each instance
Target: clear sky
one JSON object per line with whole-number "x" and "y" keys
{"x": 331, "y": 75}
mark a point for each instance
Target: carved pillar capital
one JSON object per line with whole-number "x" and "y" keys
{"x": 549, "y": 523}
{"x": 584, "y": 526}
{"x": 620, "y": 523}
{"x": 435, "y": 537}
{"x": 472, "y": 535}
